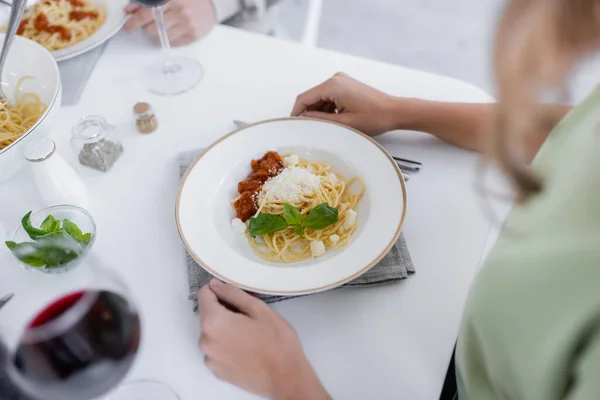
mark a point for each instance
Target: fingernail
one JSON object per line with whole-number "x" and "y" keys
{"x": 215, "y": 284}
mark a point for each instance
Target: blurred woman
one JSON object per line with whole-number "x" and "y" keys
{"x": 531, "y": 326}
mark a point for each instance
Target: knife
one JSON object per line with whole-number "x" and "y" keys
{"x": 6, "y": 299}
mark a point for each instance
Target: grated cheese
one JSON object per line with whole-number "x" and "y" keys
{"x": 291, "y": 161}
{"x": 350, "y": 219}
{"x": 317, "y": 248}
{"x": 289, "y": 186}
{"x": 238, "y": 226}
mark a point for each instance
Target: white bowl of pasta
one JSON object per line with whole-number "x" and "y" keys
{"x": 291, "y": 206}
{"x": 31, "y": 82}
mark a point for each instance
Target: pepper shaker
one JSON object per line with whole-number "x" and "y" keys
{"x": 96, "y": 142}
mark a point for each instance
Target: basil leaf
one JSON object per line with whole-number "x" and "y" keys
{"x": 299, "y": 230}
{"x": 87, "y": 238}
{"x": 53, "y": 250}
{"x": 73, "y": 230}
{"x": 291, "y": 214}
{"x": 266, "y": 223}
{"x": 27, "y": 253}
{"x": 33, "y": 233}
{"x": 50, "y": 224}
{"x": 320, "y": 217}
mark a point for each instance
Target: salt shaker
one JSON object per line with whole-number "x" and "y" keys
{"x": 56, "y": 181}
{"x": 96, "y": 142}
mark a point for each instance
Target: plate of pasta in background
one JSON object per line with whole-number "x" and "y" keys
{"x": 291, "y": 206}
{"x": 68, "y": 28}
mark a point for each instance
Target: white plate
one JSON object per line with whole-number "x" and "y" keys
{"x": 204, "y": 212}
{"x": 115, "y": 19}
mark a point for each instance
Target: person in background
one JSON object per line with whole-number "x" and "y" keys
{"x": 189, "y": 20}
{"x": 531, "y": 325}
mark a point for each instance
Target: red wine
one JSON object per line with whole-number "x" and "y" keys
{"x": 87, "y": 358}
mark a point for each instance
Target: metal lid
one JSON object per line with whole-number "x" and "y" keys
{"x": 41, "y": 149}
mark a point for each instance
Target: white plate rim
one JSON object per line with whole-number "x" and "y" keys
{"x": 330, "y": 286}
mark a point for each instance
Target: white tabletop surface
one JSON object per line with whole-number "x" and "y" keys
{"x": 379, "y": 343}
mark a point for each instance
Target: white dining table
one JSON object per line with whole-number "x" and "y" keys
{"x": 388, "y": 342}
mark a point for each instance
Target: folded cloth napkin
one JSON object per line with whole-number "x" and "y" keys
{"x": 395, "y": 266}
{"x": 75, "y": 72}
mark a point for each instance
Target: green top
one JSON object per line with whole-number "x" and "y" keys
{"x": 531, "y": 325}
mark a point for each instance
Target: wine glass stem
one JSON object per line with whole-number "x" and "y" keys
{"x": 159, "y": 19}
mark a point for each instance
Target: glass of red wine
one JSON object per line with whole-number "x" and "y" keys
{"x": 69, "y": 336}
{"x": 171, "y": 75}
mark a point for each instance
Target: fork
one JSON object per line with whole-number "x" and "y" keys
{"x": 17, "y": 10}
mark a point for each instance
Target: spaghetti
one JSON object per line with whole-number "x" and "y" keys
{"x": 57, "y": 24}
{"x": 327, "y": 190}
{"x": 16, "y": 119}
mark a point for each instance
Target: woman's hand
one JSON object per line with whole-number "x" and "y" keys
{"x": 254, "y": 348}
{"x": 345, "y": 100}
{"x": 186, "y": 20}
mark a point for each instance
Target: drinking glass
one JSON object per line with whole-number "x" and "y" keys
{"x": 170, "y": 75}
{"x": 63, "y": 336}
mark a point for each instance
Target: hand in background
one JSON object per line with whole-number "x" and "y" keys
{"x": 186, "y": 20}
{"x": 254, "y": 349}
{"x": 350, "y": 102}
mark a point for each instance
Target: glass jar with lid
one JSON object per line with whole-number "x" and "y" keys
{"x": 96, "y": 142}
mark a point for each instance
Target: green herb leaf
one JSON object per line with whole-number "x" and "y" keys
{"x": 33, "y": 233}
{"x": 73, "y": 230}
{"x": 53, "y": 250}
{"x": 291, "y": 214}
{"x": 320, "y": 217}
{"x": 87, "y": 238}
{"x": 299, "y": 230}
{"x": 50, "y": 224}
{"x": 266, "y": 223}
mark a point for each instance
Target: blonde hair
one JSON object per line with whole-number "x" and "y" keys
{"x": 537, "y": 44}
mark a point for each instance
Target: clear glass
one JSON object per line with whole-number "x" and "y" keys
{"x": 77, "y": 215}
{"x": 97, "y": 143}
{"x": 67, "y": 336}
{"x": 171, "y": 75}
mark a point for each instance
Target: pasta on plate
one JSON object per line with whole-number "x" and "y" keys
{"x": 16, "y": 119}
{"x": 292, "y": 209}
{"x": 57, "y": 24}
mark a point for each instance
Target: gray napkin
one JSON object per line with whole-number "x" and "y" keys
{"x": 395, "y": 266}
{"x": 75, "y": 72}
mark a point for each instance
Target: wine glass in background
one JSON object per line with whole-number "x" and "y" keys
{"x": 171, "y": 75}
{"x": 73, "y": 335}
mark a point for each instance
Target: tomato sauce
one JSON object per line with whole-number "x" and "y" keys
{"x": 21, "y": 28}
{"x": 41, "y": 24}
{"x": 79, "y": 15}
{"x": 268, "y": 166}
